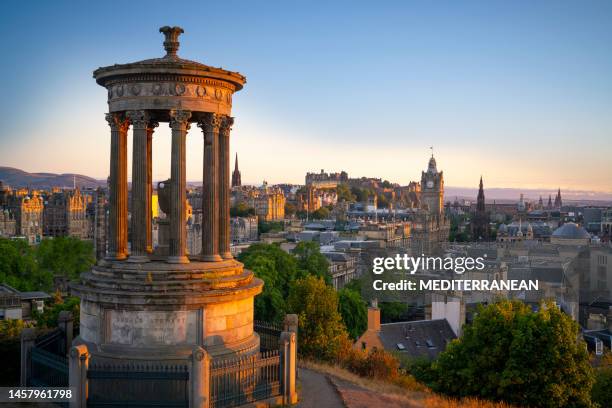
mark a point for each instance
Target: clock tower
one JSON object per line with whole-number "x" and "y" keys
{"x": 432, "y": 188}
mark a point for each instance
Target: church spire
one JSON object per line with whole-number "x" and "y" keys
{"x": 480, "y": 201}
{"x": 236, "y": 178}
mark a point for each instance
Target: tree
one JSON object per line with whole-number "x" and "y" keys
{"x": 320, "y": 214}
{"x": 382, "y": 201}
{"x": 311, "y": 261}
{"x": 67, "y": 256}
{"x": 512, "y": 354}
{"x": 269, "y": 226}
{"x": 48, "y": 318}
{"x": 392, "y": 311}
{"x": 277, "y": 269}
{"x": 354, "y": 312}
{"x": 290, "y": 209}
{"x": 320, "y": 325}
{"x": 344, "y": 193}
{"x": 602, "y": 389}
{"x": 242, "y": 210}
{"x": 18, "y": 266}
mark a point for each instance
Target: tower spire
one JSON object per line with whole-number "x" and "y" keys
{"x": 236, "y": 178}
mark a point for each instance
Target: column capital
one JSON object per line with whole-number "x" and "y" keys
{"x": 210, "y": 125}
{"x": 117, "y": 121}
{"x": 226, "y": 125}
{"x": 179, "y": 119}
{"x": 141, "y": 119}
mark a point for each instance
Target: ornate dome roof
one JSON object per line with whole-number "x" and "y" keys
{"x": 170, "y": 64}
{"x": 570, "y": 231}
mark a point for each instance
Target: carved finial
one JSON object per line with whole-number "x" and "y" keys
{"x": 171, "y": 43}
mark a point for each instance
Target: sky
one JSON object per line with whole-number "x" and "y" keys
{"x": 518, "y": 92}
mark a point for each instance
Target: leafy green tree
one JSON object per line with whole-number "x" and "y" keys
{"x": 67, "y": 256}
{"x": 512, "y": 354}
{"x": 344, "y": 193}
{"x": 392, "y": 311}
{"x": 602, "y": 389}
{"x": 269, "y": 226}
{"x": 311, "y": 261}
{"x": 19, "y": 268}
{"x": 322, "y": 332}
{"x": 242, "y": 210}
{"x": 277, "y": 269}
{"x": 354, "y": 312}
{"x": 361, "y": 194}
{"x": 48, "y": 318}
{"x": 320, "y": 214}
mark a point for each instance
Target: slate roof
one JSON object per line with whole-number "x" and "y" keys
{"x": 422, "y": 338}
{"x": 571, "y": 231}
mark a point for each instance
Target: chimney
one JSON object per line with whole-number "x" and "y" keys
{"x": 374, "y": 316}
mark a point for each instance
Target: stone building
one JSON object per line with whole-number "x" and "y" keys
{"x": 243, "y": 229}
{"x": 65, "y": 215}
{"x": 326, "y": 180}
{"x": 269, "y": 204}
{"x": 28, "y": 213}
{"x": 147, "y": 308}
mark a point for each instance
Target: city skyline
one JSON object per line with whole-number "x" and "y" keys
{"x": 518, "y": 93}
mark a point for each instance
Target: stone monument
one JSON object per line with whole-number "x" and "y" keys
{"x": 154, "y": 306}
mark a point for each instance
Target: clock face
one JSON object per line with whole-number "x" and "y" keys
{"x": 430, "y": 184}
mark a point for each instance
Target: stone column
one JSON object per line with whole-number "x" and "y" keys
{"x": 210, "y": 198}
{"x": 117, "y": 240}
{"x": 224, "y": 187}
{"x": 179, "y": 122}
{"x": 200, "y": 379}
{"x": 288, "y": 360}
{"x": 77, "y": 375}
{"x": 28, "y": 338}
{"x": 148, "y": 204}
{"x": 141, "y": 201}
{"x": 65, "y": 324}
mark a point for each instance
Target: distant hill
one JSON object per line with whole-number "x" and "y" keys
{"x": 16, "y": 178}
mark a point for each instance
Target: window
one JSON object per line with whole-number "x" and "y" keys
{"x": 401, "y": 347}
{"x": 430, "y": 343}
{"x": 363, "y": 345}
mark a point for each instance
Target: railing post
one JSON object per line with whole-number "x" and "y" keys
{"x": 77, "y": 375}
{"x": 290, "y": 324}
{"x": 200, "y": 379}
{"x": 28, "y": 338}
{"x": 65, "y": 324}
{"x": 288, "y": 364}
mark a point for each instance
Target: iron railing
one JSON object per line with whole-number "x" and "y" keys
{"x": 124, "y": 385}
{"x": 242, "y": 380}
{"x": 48, "y": 369}
{"x": 269, "y": 334}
